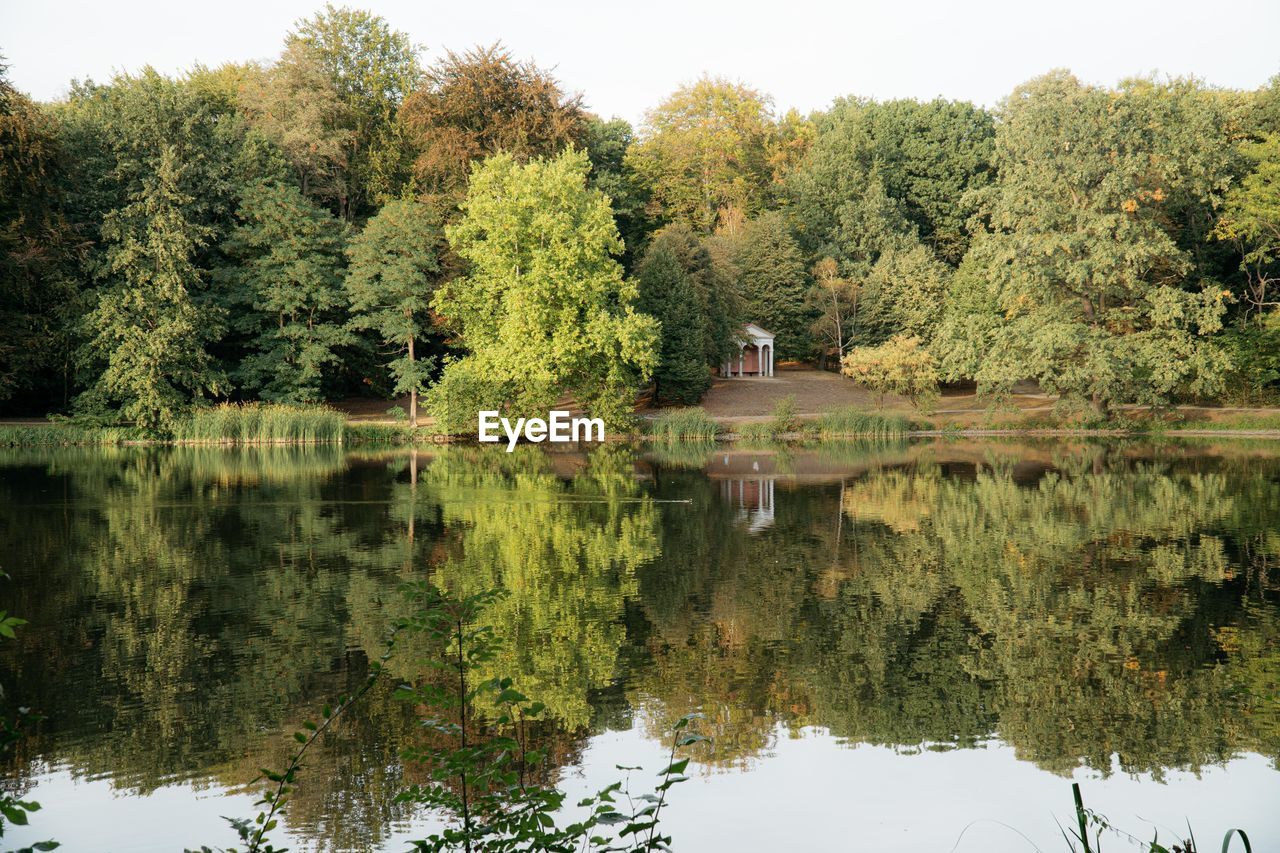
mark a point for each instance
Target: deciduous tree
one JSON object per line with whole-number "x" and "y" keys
{"x": 371, "y": 69}
{"x": 544, "y": 309}
{"x": 37, "y": 251}
{"x": 901, "y": 365}
{"x": 1094, "y": 297}
{"x": 480, "y": 103}
{"x": 667, "y": 292}
{"x": 395, "y": 265}
{"x": 704, "y": 149}
{"x": 287, "y": 280}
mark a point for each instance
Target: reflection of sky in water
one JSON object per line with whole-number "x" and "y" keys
{"x": 806, "y": 793}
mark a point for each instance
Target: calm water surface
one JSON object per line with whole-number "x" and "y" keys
{"x": 895, "y": 647}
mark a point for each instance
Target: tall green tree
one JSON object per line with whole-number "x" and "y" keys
{"x": 37, "y": 256}
{"x": 1094, "y": 297}
{"x": 479, "y": 103}
{"x": 705, "y": 150}
{"x": 773, "y": 280}
{"x": 287, "y": 286}
{"x": 296, "y": 104}
{"x": 715, "y": 283}
{"x": 908, "y": 165}
{"x": 543, "y": 309}
{"x": 903, "y": 295}
{"x": 1251, "y": 219}
{"x": 607, "y": 144}
{"x": 147, "y": 333}
{"x": 667, "y": 293}
{"x": 394, "y": 270}
{"x": 371, "y": 68}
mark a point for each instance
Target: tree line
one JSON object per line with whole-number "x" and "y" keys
{"x": 349, "y": 220}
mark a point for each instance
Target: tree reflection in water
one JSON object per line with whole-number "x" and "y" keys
{"x": 1084, "y": 603}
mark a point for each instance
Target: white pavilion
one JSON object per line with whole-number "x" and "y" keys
{"x": 755, "y": 354}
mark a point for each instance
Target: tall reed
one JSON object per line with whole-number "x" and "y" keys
{"x": 674, "y": 424}
{"x": 854, "y": 422}
{"x": 63, "y": 434}
{"x": 262, "y": 423}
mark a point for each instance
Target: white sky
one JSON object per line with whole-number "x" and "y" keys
{"x": 625, "y": 56}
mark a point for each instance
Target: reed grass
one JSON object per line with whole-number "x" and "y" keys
{"x": 855, "y": 422}
{"x": 262, "y": 423}
{"x": 757, "y": 431}
{"x": 64, "y": 435}
{"x": 677, "y": 424}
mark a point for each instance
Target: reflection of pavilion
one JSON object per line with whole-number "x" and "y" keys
{"x": 754, "y": 500}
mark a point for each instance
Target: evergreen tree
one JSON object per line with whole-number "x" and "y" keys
{"x": 288, "y": 292}
{"x": 667, "y": 292}
{"x": 715, "y": 288}
{"x": 146, "y": 332}
{"x": 393, "y": 273}
{"x": 774, "y": 281}
{"x": 901, "y": 295}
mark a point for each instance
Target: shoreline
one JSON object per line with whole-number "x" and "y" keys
{"x": 387, "y": 435}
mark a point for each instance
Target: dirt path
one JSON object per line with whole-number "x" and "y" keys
{"x": 818, "y": 391}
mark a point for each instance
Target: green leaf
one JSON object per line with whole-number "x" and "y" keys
{"x": 1226, "y": 840}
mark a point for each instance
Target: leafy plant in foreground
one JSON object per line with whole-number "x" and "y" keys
{"x": 12, "y": 809}
{"x": 1086, "y": 817}
{"x": 483, "y": 776}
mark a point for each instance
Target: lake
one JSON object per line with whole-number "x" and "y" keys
{"x": 899, "y": 646}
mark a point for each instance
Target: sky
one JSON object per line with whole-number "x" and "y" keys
{"x": 625, "y": 57}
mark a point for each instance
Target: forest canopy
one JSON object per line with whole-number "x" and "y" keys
{"x": 363, "y": 218}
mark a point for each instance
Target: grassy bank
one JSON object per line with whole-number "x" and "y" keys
{"x": 230, "y": 423}
{"x": 65, "y": 435}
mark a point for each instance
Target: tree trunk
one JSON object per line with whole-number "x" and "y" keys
{"x": 413, "y": 392}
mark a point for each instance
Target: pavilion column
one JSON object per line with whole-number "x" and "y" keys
{"x": 742, "y": 359}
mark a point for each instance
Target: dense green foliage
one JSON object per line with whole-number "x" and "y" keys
{"x": 543, "y": 309}
{"x": 288, "y": 269}
{"x": 681, "y": 287}
{"x": 394, "y": 271}
{"x": 773, "y": 283}
{"x": 229, "y": 234}
{"x": 1084, "y": 285}
{"x": 147, "y": 328}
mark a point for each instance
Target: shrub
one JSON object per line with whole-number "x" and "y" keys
{"x": 784, "y": 416}
{"x": 898, "y": 366}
